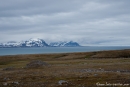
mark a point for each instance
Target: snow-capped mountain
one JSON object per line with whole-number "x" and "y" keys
{"x": 10, "y": 44}
{"x": 33, "y": 42}
{"x": 71, "y": 43}
{"x": 57, "y": 44}
{"x": 36, "y": 42}
{"x": 64, "y": 44}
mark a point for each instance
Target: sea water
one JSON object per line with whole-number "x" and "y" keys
{"x": 48, "y": 50}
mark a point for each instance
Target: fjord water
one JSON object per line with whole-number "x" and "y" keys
{"x": 47, "y": 50}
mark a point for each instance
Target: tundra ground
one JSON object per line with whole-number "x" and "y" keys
{"x": 85, "y": 69}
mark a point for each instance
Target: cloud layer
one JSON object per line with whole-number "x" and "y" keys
{"x": 90, "y": 22}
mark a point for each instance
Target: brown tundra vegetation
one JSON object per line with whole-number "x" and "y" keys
{"x": 83, "y": 69}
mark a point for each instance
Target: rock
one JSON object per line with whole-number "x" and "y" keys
{"x": 9, "y": 68}
{"x": 5, "y": 84}
{"x": 118, "y": 71}
{"x": 6, "y": 79}
{"x": 16, "y": 83}
{"x": 95, "y": 74}
{"x": 61, "y": 82}
{"x": 36, "y": 63}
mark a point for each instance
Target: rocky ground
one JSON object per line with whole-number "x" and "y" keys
{"x": 86, "y": 69}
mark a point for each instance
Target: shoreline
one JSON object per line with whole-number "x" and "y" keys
{"x": 65, "y": 52}
{"x": 55, "y": 50}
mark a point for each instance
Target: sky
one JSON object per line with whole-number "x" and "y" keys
{"x": 88, "y": 22}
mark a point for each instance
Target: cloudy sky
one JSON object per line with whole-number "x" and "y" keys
{"x": 89, "y": 22}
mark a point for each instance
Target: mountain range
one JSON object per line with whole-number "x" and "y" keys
{"x": 37, "y": 42}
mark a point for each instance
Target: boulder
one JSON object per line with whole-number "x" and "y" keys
{"x": 36, "y": 63}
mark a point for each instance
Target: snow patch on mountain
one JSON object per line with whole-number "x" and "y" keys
{"x": 64, "y": 44}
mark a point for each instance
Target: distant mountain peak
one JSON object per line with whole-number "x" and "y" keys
{"x": 35, "y": 42}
